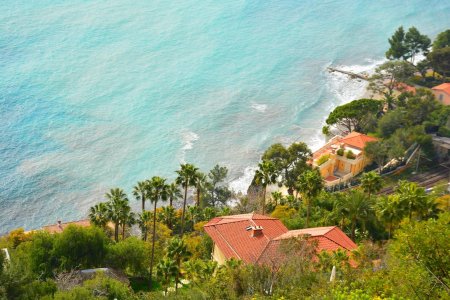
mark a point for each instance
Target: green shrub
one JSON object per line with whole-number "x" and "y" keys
{"x": 131, "y": 255}
{"x": 323, "y": 159}
{"x": 78, "y": 247}
{"x": 444, "y": 131}
{"x": 350, "y": 155}
{"x": 340, "y": 152}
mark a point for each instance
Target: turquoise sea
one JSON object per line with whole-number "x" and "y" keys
{"x": 99, "y": 94}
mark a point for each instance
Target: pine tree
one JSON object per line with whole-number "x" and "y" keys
{"x": 398, "y": 48}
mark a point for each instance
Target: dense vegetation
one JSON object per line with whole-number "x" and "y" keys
{"x": 403, "y": 244}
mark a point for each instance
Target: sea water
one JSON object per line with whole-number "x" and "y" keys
{"x": 101, "y": 94}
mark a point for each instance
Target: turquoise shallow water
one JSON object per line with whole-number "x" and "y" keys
{"x": 97, "y": 94}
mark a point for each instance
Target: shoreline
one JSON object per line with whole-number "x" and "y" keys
{"x": 338, "y": 84}
{"x": 341, "y": 87}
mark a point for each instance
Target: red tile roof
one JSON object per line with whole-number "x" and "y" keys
{"x": 230, "y": 235}
{"x": 58, "y": 228}
{"x": 330, "y": 238}
{"x": 403, "y": 87}
{"x": 442, "y": 87}
{"x": 357, "y": 140}
{"x": 354, "y": 139}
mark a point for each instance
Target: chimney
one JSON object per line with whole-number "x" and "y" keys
{"x": 257, "y": 231}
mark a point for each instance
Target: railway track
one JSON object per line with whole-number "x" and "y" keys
{"x": 426, "y": 180}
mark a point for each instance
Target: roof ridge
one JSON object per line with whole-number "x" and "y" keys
{"x": 263, "y": 250}
{"x": 334, "y": 227}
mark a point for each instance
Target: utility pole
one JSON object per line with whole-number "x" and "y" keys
{"x": 418, "y": 160}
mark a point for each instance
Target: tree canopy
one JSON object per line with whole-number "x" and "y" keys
{"x": 289, "y": 162}
{"x": 407, "y": 45}
{"x": 440, "y": 60}
{"x": 442, "y": 40}
{"x": 416, "y": 43}
{"x": 388, "y": 75}
{"x": 349, "y": 115}
{"x": 397, "y": 42}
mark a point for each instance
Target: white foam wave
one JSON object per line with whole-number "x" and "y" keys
{"x": 259, "y": 107}
{"x": 345, "y": 88}
{"x": 242, "y": 183}
{"x": 188, "y": 138}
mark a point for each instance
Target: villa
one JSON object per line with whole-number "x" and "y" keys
{"x": 442, "y": 93}
{"x": 60, "y": 226}
{"x": 256, "y": 239}
{"x": 342, "y": 158}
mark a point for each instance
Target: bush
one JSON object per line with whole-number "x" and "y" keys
{"x": 37, "y": 289}
{"x": 101, "y": 287}
{"x": 37, "y": 255}
{"x": 417, "y": 261}
{"x": 323, "y": 159}
{"x": 350, "y": 155}
{"x": 78, "y": 247}
{"x": 16, "y": 237}
{"x": 131, "y": 255}
{"x": 443, "y": 131}
{"x": 340, "y": 152}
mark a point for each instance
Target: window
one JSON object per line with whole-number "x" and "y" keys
{"x": 441, "y": 97}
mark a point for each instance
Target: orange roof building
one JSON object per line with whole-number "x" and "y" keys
{"x": 442, "y": 93}
{"x": 59, "y": 226}
{"x": 255, "y": 238}
{"x": 342, "y": 158}
{"x": 403, "y": 87}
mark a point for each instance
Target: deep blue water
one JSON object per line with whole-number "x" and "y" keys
{"x": 98, "y": 94}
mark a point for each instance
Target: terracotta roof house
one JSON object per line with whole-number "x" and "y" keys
{"x": 442, "y": 93}
{"x": 255, "y": 238}
{"x": 403, "y": 87}
{"x": 342, "y": 157}
{"x": 59, "y": 226}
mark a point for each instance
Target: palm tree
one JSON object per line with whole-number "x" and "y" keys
{"x": 128, "y": 218}
{"x": 201, "y": 182}
{"x": 195, "y": 214}
{"x": 265, "y": 175}
{"x": 309, "y": 184}
{"x": 186, "y": 178}
{"x": 140, "y": 192}
{"x": 173, "y": 193}
{"x": 389, "y": 211}
{"x": 157, "y": 190}
{"x": 371, "y": 183}
{"x": 117, "y": 208}
{"x": 199, "y": 270}
{"x": 358, "y": 208}
{"x": 277, "y": 197}
{"x": 225, "y": 211}
{"x": 411, "y": 196}
{"x": 144, "y": 220}
{"x": 177, "y": 249}
{"x": 167, "y": 215}
{"x": 209, "y": 213}
{"x": 338, "y": 212}
{"x": 98, "y": 214}
{"x": 166, "y": 269}
{"x": 428, "y": 208}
